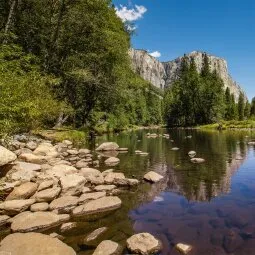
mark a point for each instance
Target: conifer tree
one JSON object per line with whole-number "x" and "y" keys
{"x": 241, "y": 106}
{"x": 252, "y": 113}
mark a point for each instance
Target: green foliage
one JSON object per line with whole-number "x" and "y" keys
{"x": 83, "y": 47}
{"x": 241, "y": 107}
{"x": 26, "y": 98}
{"x": 252, "y": 112}
{"x": 194, "y": 98}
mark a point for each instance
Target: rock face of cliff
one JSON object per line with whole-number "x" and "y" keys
{"x": 162, "y": 75}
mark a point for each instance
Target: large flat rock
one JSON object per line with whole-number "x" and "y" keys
{"x": 94, "y": 207}
{"x": 14, "y": 207}
{"x": 6, "y": 156}
{"x": 153, "y": 177}
{"x": 37, "y": 221}
{"x": 47, "y": 195}
{"x": 72, "y": 184}
{"x": 34, "y": 243}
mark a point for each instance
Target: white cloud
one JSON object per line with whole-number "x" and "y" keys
{"x": 155, "y": 54}
{"x": 130, "y": 14}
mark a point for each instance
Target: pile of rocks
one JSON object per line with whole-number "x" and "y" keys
{"x": 48, "y": 185}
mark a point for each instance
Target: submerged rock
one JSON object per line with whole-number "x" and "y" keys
{"x": 143, "y": 243}
{"x": 34, "y": 243}
{"x": 112, "y": 161}
{"x": 92, "y": 238}
{"x": 108, "y": 247}
{"x": 153, "y": 176}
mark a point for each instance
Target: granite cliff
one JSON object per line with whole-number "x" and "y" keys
{"x": 163, "y": 74}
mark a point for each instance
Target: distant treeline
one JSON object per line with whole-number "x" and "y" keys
{"x": 199, "y": 98}
{"x": 66, "y": 62}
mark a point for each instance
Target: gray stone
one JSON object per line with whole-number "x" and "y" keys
{"x": 31, "y": 145}
{"x": 33, "y": 243}
{"x": 114, "y": 178}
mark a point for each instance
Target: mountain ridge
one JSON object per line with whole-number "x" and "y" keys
{"x": 163, "y": 74}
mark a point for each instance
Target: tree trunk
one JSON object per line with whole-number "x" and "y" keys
{"x": 61, "y": 120}
{"x": 10, "y": 19}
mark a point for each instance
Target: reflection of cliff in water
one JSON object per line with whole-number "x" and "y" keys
{"x": 206, "y": 188}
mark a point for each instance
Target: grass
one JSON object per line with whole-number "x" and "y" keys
{"x": 232, "y": 124}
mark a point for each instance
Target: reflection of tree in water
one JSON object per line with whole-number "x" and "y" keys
{"x": 201, "y": 182}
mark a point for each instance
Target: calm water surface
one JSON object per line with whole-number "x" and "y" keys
{"x": 210, "y": 206}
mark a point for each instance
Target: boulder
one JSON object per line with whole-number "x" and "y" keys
{"x": 45, "y": 185}
{"x": 67, "y": 142}
{"x": 81, "y": 164}
{"x": 91, "y": 196}
{"x": 72, "y": 184}
{"x": 24, "y": 191}
{"x": 39, "y": 207}
{"x": 143, "y": 243}
{"x": 108, "y": 247}
{"x": 112, "y": 161}
{"x": 6, "y": 156}
{"x": 108, "y": 146}
{"x": 94, "y": 207}
{"x": 14, "y": 207}
{"x": 183, "y": 248}
{"x": 47, "y": 195}
{"x": 64, "y": 204}
{"x": 83, "y": 152}
{"x": 153, "y": 176}
{"x": 197, "y": 160}
{"x": 132, "y": 182}
{"x": 38, "y": 221}
{"x": 33, "y": 243}
{"x": 44, "y": 149}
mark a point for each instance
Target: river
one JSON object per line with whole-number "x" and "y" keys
{"x": 210, "y": 206}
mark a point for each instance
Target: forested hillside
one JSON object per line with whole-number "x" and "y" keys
{"x": 66, "y": 62}
{"x": 200, "y": 98}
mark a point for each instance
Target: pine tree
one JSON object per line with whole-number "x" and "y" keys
{"x": 228, "y": 105}
{"x": 252, "y": 113}
{"x": 241, "y": 106}
{"x": 247, "y": 110}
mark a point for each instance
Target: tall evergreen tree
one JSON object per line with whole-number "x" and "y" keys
{"x": 241, "y": 106}
{"x": 247, "y": 110}
{"x": 253, "y": 107}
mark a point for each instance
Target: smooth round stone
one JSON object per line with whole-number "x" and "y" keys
{"x": 34, "y": 243}
{"x": 39, "y": 207}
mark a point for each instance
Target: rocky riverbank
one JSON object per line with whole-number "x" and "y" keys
{"x": 49, "y": 187}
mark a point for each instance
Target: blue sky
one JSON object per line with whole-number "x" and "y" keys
{"x": 225, "y": 28}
